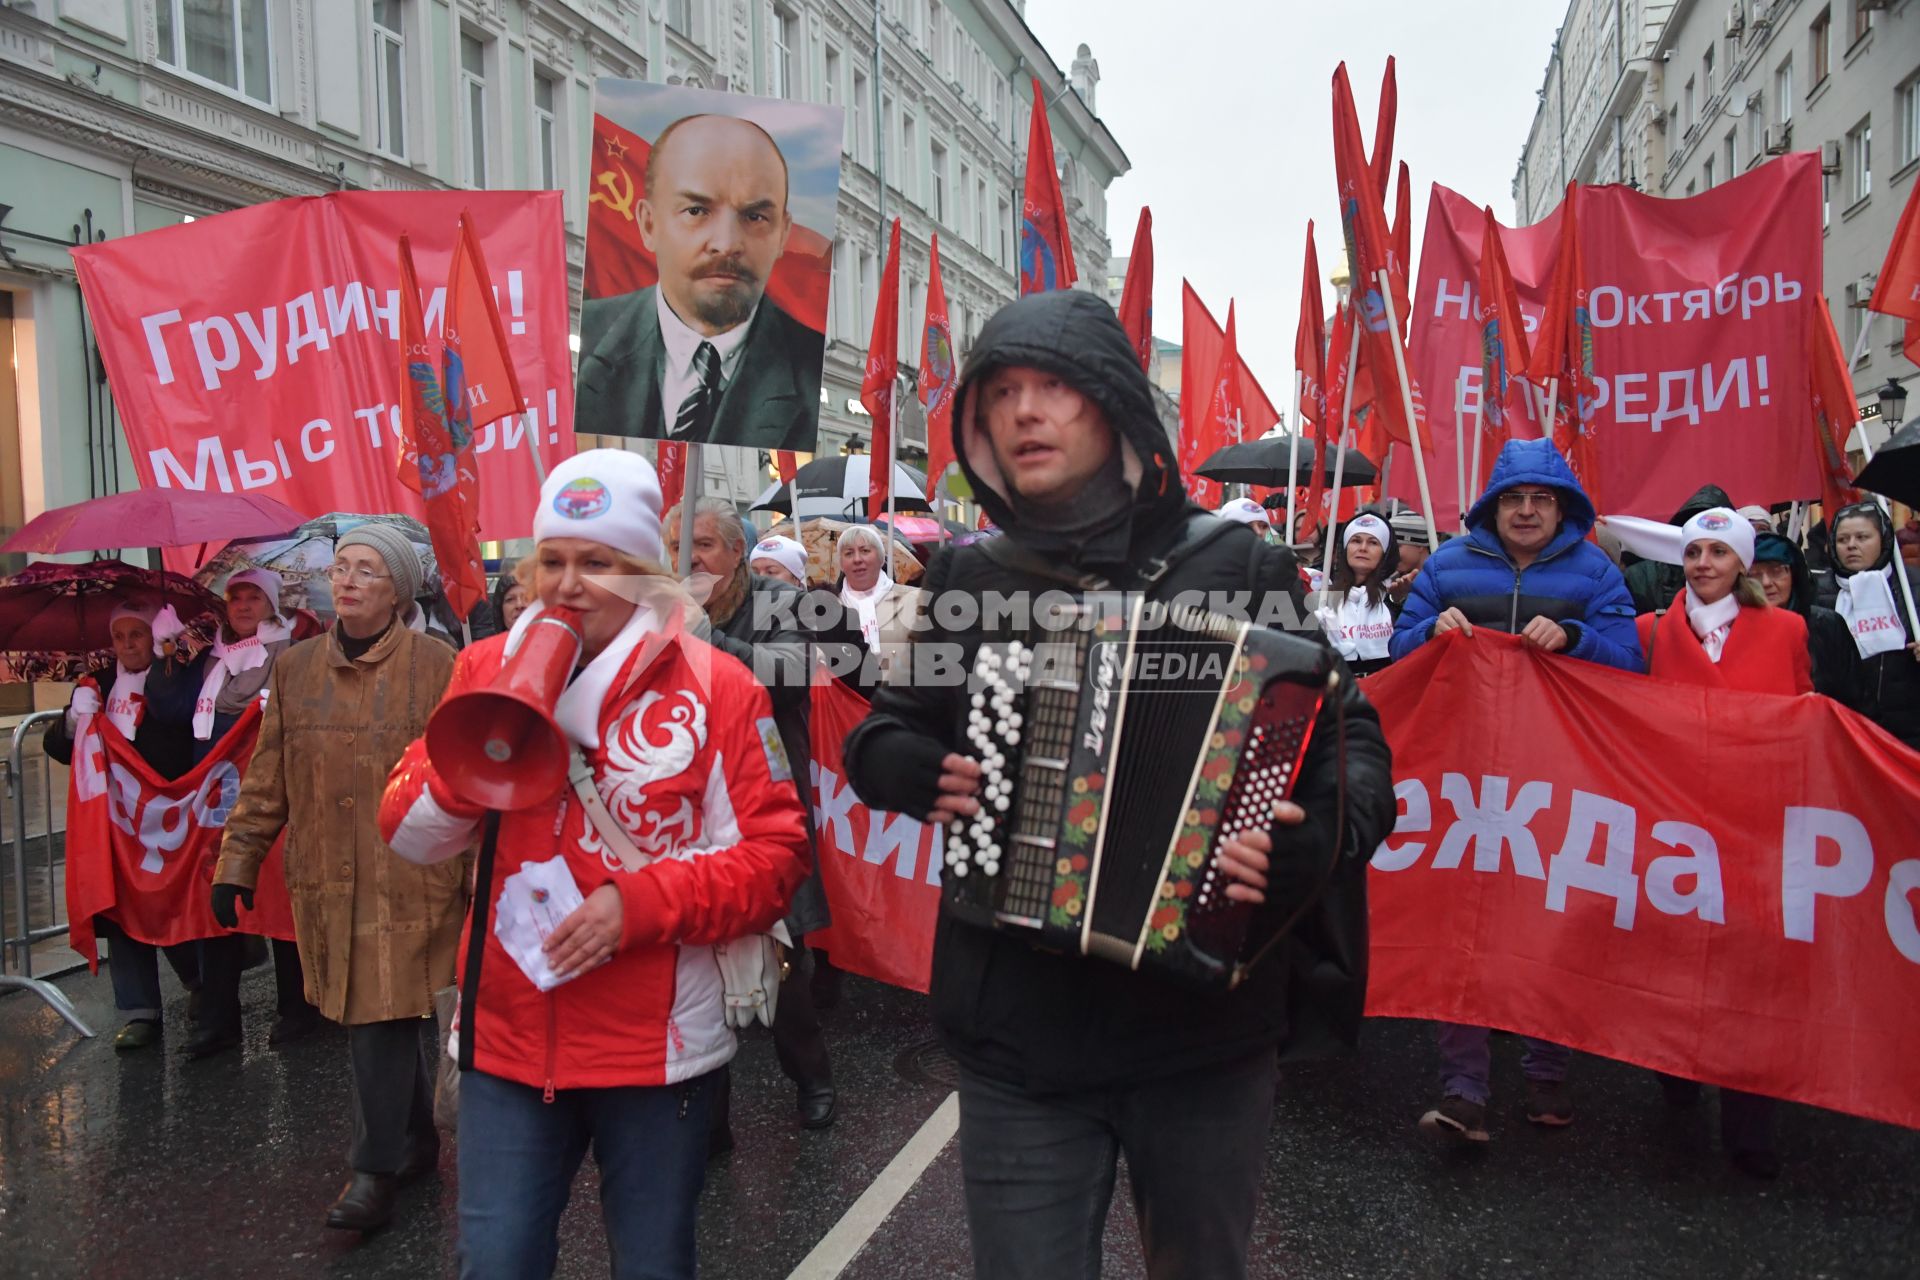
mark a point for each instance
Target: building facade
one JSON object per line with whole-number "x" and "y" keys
{"x": 1676, "y": 98}
{"x": 121, "y": 116}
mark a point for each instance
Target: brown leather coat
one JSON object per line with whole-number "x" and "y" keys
{"x": 377, "y": 933}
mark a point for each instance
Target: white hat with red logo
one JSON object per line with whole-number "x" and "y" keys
{"x": 606, "y": 496}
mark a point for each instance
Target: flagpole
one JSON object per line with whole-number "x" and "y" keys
{"x": 1339, "y": 458}
{"x": 893, "y": 450}
{"x": 1293, "y": 454}
{"x": 1406, "y": 401}
{"x": 1472, "y": 489}
{"x": 533, "y": 445}
{"x": 1460, "y": 464}
{"x": 690, "y": 485}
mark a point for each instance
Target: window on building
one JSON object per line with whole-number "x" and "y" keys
{"x": 546, "y": 129}
{"x": 473, "y": 109}
{"x": 963, "y": 212}
{"x": 1907, "y": 100}
{"x": 1706, "y": 73}
{"x": 680, "y": 16}
{"x": 228, "y": 43}
{"x": 1686, "y": 103}
{"x": 938, "y": 205}
{"x": 1005, "y": 215}
{"x": 1820, "y": 47}
{"x": 1756, "y": 135}
{"x": 1860, "y": 161}
{"x": 890, "y": 125}
{"x": 830, "y": 86}
{"x": 389, "y": 78}
{"x": 937, "y": 33}
{"x": 786, "y": 34}
{"x": 862, "y": 147}
{"x": 1690, "y": 188}
{"x": 1730, "y": 152}
{"x": 1856, "y": 310}
{"x": 1862, "y": 21}
{"x": 982, "y": 235}
{"x": 1783, "y": 93}
{"x": 1706, "y": 176}
{"x": 910, "y": 157}
{"x": 869, "y": 284}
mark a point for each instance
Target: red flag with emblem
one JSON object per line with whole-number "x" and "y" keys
{"x": 938, "y": 374}
{"x": 1564, "y": 354}
{"x": 1308, "y": 356}
{"x": 1381, "y": 161}
{"x": 1226, "y": 412}
{"x": 1136, "y": 296}
{"x": 1503, "y": 337}
{"x": 1897, "y": 291}
{"x": 437, "y": 451}
{"x": 1046, "y": 250}
{"x": 1370, "y": 255}
{"x": 883, "y": 366}
{"x": 1834, "y": 410}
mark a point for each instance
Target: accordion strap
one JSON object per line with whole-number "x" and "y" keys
{"x": 1200, "y": 529}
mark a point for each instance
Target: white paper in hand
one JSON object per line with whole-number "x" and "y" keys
{"x": 532, "y": 903}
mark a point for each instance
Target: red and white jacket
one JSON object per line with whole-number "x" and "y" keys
{"x": 689, "y": 765}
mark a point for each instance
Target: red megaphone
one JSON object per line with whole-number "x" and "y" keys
{"x": 499, "y": 747}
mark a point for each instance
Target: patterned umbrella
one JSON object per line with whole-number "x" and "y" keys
{"x": 153, "y": 518}
{"x": 820, "y": 537}
{"x": 54, "y": 617}
{"x": 301, "y": 559}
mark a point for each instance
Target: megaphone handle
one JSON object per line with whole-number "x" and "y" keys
{"x": 477, "y": 927}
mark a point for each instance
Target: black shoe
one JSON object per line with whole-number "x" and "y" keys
{"x": 137, "y": 1034}
{"x": 816, "y": 1109}
{"x": 208, "y": 1041}
{"x": 423, "y": 1157}
{"x": 1764, "y": 1165}
{"x": 366, "y": 1203}
{"x": 294, "y": 1026}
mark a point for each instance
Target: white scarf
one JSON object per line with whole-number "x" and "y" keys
{"x": 1712, "y": 623}
{"x": 230, "y": 660}
{"x": 578, "y": 711}
{"x": 127, "y": 701}
{"x": 867, "y": 605}
{"x": 1360, "y": 631}
{"x": 1866, "y": 602}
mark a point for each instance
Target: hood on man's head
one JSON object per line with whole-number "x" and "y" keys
{"x": 1077, "y": 337}
{"x": 1533, "y": 462}
{"x": 1881, "y": 520}
{"x": 1705, "y": 498}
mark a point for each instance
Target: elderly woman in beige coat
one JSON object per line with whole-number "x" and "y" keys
{"x": 377, "y": 933}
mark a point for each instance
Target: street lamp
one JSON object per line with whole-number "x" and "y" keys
{"x": 1893, "y": 404}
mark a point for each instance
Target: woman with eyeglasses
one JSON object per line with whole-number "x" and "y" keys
{"x": 377, "y": 933}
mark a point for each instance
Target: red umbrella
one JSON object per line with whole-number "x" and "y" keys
{"x": 154, "y": 518}
{"x": 54, "y": 617}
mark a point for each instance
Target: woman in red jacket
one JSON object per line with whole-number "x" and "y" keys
{"x": 611, "y": 1032}
{"x": 1720, "y": 632}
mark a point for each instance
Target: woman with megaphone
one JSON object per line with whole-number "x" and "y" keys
{"x": 637, "y": 823}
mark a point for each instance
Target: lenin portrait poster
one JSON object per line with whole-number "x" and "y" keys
{"x": 709, "y": 264}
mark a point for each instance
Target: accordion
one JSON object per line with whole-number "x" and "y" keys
{"x": 1118, "y": 753}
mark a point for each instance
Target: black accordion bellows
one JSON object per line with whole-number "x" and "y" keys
{"x": 1118, "y": 753}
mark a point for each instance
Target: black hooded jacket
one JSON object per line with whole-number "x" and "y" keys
{"x": 1653, "y": 584}
{"x": 1054, "y": 1023}
{"x": 1836, "y": 661}
{"x": 1889, "y": 688}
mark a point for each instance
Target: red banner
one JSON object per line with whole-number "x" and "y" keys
{"x": 881, "y": 870}
{"x": 256, "y": 349}
{"x": 141, "y": 849}
{"x": 1698, "y": 310}
{"x": 1716, "y": 884}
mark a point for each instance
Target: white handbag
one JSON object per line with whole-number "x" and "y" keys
{"x": 750, "y": 967}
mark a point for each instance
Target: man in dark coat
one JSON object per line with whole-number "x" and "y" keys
{"x": 704, "y": 355}
{"x": 1066, "y": 1061}
{"x": 1781, "y": 570}
{"x": 754, "y": 619}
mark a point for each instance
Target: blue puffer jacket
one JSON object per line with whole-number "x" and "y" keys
{"x": 1572, "y": 581}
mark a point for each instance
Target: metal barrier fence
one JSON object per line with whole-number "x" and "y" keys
{"x": 22, "y": 925}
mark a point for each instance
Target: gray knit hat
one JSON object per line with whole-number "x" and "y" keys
{"x": 403, "y": 562}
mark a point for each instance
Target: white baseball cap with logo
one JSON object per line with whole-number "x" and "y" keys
{"x": 1245, "y": 511}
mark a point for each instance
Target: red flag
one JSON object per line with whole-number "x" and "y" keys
{"x": 1370, "y": 252}
{"x": 1565, "y": 354}
{"x": 788, "y": 465}
{"x": 1136, "y": 296}
{"x": 1225, "y": 413}
{"x": 1308, "y": 356}
{"x": 1897, "y": 291}
{"x": 475, "y": 334}
{"x": 670, "y": 465}
{"x": 1046, "y": 251}
{"x": 442, "y": 452}
{"x": 1401, "y": 236}
{"x": 1381, "y": 161}
{"x": 939, "y": 373}
{"x": 1327, "y": 431}
{"x": 883, "y": 366}
{"x": 1503, "y": 335}
{"x": 1835, "y": 411}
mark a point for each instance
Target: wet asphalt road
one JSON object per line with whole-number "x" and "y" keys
{"x": 147, "y": 1166}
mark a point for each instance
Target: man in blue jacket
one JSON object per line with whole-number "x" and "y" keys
{"x": 1524, "y": 568}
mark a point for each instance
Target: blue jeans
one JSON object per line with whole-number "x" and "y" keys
{"x": 1466, "y": 1061}
{"x": 134, "y": 969}
{"x": 518, "y": 1155}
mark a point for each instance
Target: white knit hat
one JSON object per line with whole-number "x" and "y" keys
{"x": 606, "y": 496}
{"x": 1367, "y": 522}
{"x": 266, "y": 579}
{"x": 783, "y": 551}
{"x": 1244, "y": 510}
{"x": 1719, "y": 524}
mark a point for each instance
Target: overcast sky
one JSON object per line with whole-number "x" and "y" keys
{"x": 1225, "y": 110}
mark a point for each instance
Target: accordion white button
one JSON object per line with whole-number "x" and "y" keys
{"x": 1000, "y": 803}
{"x": 979, "y": 700}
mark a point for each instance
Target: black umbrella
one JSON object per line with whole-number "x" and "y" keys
{"x": 836, "y": 489}
{"x": 1895, "y": 469}
{"x": 1265, "y": 462}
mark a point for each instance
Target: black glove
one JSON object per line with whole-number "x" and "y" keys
{"x": 1299, "y": 863}
{"x": 224, "y": 896}
{"x": 909, "y": 781}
